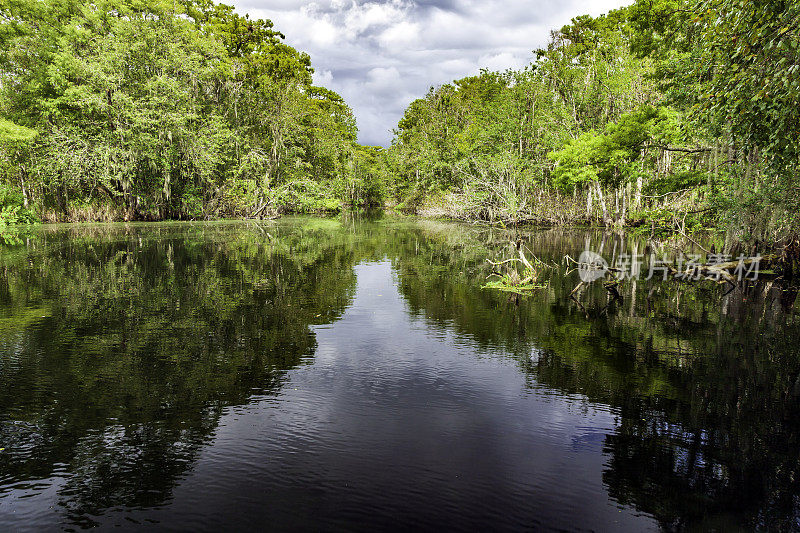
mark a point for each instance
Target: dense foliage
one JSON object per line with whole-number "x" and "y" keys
{"x": 677, "y": 114}
{"x": 671, "y": 112}
{"x": 124, "y": 109}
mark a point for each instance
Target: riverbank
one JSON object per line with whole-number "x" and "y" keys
{"x": 670, "y": 231}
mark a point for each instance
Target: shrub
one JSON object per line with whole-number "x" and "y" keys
{"x": 12, "y": 207}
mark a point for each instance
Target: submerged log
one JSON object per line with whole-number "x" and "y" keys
{"x": 511, "y": 280}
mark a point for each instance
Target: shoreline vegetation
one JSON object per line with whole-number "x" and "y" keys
{"x": 668, "y": 116}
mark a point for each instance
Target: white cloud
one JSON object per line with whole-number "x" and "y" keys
{"x": 360, "y": 19}
{"x": 323, "y": 33}
{"x": 323, "y": 77}
{"x": 403, "y": 33}
{"x": 502, "y": 61}
{"x": 380, "y": 55}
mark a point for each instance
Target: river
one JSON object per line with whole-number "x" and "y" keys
{"x": 348, "y": 374}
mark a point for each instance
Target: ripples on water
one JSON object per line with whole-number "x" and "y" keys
{"x": 318, "y": 374}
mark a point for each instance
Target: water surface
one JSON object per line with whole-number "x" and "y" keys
{"x": 345, "y": 374}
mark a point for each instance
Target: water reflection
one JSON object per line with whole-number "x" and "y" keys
{"x": 124, "y": 349}
{"x": 707, "y": 383}
{"x": 120, "y": 347}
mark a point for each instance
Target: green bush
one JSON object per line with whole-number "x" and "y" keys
{"x": 12, "y": 207}
{"x": 678, "y": 181}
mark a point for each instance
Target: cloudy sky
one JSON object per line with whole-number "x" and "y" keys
{"x": 380, "y": 55}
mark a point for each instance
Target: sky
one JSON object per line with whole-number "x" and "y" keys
{"x": 381, "y": 55}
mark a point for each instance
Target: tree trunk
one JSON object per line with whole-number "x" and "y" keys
{"x": 589, "y": 204}
{"x": 23, "y": 174}
{"x": 624, "y": 214}
{"x": 602, "y": 200}
{"x": 167, "y": 194}
{"x": 637, "y": 202}
{"x": 714, "y": 174}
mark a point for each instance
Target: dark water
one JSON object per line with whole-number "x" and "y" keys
{"x": 351, "y": 375}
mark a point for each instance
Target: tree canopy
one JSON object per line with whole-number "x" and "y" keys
{"x": 651, "y": 112}
{"x": 150, "y": 109}
{"x": 665, "y": 113}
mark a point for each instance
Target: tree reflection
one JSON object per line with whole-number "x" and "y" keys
{"x": 121, "y": 347}
{"x": 705, "y": 386}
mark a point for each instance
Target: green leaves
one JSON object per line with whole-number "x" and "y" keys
{"x": 160, "y": 109}
{"x": 607, "y": 156}
{"x": 14, "y": 135}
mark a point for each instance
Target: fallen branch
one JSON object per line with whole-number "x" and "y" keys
{"x": 667, "y": 148}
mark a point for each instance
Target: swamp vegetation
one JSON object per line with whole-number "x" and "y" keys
{"x": 675, "y": 115}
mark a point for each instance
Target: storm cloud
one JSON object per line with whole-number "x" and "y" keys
{"x": 381, "y": 55}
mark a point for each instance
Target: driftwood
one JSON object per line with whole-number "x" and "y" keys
{"x": 516, "y": 281}
{"x": 258, "y": 211}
